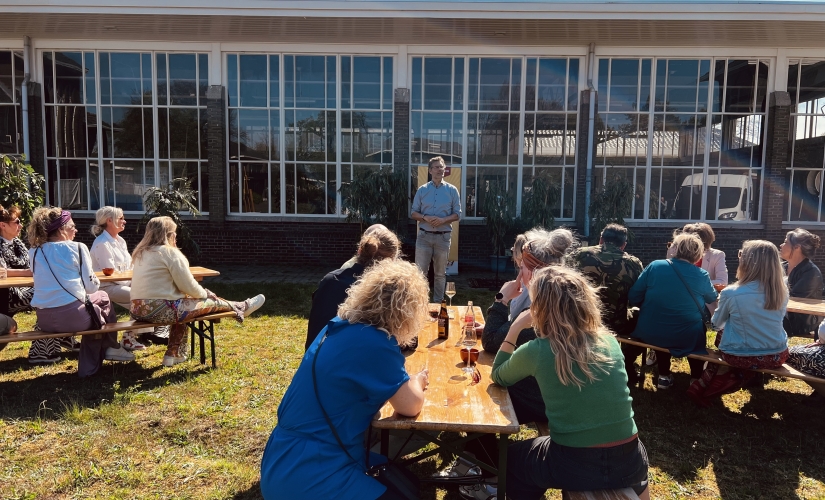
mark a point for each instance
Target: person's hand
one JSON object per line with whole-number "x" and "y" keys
{"x": 423, "y": 378}
{"x": 511, "y": 290}
{"x": 524, "y": 320}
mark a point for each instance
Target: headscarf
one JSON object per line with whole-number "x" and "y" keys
{"x": 65, "y": 217}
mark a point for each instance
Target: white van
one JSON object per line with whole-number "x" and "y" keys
{"x": 735, "y": 196}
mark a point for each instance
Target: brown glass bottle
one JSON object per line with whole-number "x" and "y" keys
{"x": 443, "y": 321}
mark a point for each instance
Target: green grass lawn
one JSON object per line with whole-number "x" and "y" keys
{"x": 138, "y": 430}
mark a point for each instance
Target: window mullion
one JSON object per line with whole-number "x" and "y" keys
{"x": 520, "y": 165}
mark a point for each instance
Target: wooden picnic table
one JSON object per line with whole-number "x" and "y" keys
{"x": 198, "y": 272}
{"x": 452, "y": 402}
{"x": 806, "y": 306}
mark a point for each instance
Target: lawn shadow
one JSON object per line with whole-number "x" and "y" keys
{"x": 251, "y": 493}
{"x": 46, "y": 396}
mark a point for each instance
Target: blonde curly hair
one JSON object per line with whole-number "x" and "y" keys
{"x": 391, "y": 295}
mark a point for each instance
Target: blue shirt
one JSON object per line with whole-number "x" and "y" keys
{"x": 358, "y": 370}
{"x": 440, "y": 201}
{"x": 750, "y": 329}
{"x": 668, "y": 317}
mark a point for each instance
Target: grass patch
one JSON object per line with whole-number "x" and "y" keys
{"x": 142, "y": 431}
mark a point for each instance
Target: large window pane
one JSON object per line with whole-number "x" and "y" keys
{"x": 69, "y": 77}
{"x": 254, "y": 83}
{"x": 183, "y": 79}
{"x": 255, "y": 188}
{"x": 624, "y": 85}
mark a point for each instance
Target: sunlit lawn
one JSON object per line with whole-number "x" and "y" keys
{"x": 139, "y": 430}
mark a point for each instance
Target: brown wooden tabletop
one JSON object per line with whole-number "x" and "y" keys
{"x": 452, "y": 402}
{"x": 806, "y": 306}
{"x": 198, "y": 272}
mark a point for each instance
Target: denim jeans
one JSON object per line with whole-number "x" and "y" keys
{"x": 535, "y": 465}
{"x": 435, "y": 248}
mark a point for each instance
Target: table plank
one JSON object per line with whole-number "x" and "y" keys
{"x": 806, "y": 306}
{"x": 198, "y": 272}
{"x": 451, "y": 403}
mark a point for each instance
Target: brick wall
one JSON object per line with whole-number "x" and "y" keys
{"x": 216, "y": 153}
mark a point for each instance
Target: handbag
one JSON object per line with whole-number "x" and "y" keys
{"x": 97, "y": 324}
{"x": 708, "y": 325}
{"x": 396, "y": 478}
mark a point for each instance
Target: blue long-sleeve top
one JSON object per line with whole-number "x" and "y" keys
{"x": 668, "y": 317}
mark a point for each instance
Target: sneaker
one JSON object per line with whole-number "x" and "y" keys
{"x": 173, "y": 360}
{"x": 118, "y": 354}
{"x": 69, "y": 343}
{"x": 651, "y": 358}
{"x": 459, "y": 468}
{"x": 37, "y": 359}
{"x": 665, "y": 382}
{"x": 131, "y": 344}
{"x": 481, "y": 491}
{"x": 253, "y": 304}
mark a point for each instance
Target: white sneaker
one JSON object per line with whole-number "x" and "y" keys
{"x": 173, "y": 360}
{"x": 131, "y": 344}
{"x": 253, "y": 304}
{"x": 119, "y": 354}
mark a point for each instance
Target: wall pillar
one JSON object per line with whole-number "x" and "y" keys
{"x": 581, "y": 156}
{"x": 216, "y": 153}
{"x": 36, "y": 142}
{"x": 777, "y": 161}
{"x": 401, "y": 129}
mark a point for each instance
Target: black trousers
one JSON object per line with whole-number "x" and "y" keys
{"x": 631, "y": 352}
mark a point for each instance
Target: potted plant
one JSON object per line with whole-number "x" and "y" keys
{"x": 499, "y": 210}
{"x": 378, "y": 196}
{"x": 177, "y": 196}
{"x": 20, "y": 185}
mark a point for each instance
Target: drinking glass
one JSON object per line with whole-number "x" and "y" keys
{"x": 450, "y": 291}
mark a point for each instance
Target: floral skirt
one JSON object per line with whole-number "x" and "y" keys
{"x": 766, "y": 362}
{"x": 181, "y": 310}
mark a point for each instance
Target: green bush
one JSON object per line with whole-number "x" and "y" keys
{"x": 20, "y": 185}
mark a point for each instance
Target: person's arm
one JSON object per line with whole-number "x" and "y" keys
{"x": 808, "y": 286}
{"x": 720, "y": 317}
{"x": 416, "y": 207}
{"x": 720, "y": 269}
{"x": 496, "y": 327}
{"x": 87, "y": 274}
{"x": 636, "y": 295}
{"x": 409, "y": 399}
{"x": 512, "y": 365}
{"x": 709, "y": 294}
{"x": 179, "y": 269}
{"x": 455, "y": 211}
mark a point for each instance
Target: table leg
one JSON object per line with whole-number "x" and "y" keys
{"x": 385, "y": 442}
{"x": 503, "y": 441}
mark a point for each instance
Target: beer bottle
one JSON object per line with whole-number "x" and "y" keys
{"x": 443, "y": 320}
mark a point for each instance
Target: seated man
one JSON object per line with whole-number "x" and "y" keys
{"x": 608, "y": 266}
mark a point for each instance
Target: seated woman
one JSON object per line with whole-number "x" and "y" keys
{"x": 578, "y": 365}
{"x": 109, "y": 251}
{"x": 14, "y": 256}
{"x": 669, "y": 313}
{"x": 358, "y": 370}
{"x": 543, "y": 248}
{"x": 63, "y": 277}
{"x": 750, "y": 312}
{"x": 376, "y": 244}
{"x": 804, "y": 278}
{"x": 713, "y": 260}
{"x": 164, "y": 290}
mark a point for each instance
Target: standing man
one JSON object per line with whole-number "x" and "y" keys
{"x": 608, "y": 266}
{"x": 436, "y": 205}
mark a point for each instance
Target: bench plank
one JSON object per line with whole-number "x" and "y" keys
{"x": 622, "y": 494}
{"x": 715, "y": 356}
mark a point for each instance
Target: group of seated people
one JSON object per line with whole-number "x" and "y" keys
{"x": 162, "y": 289}
{"x": 552, "y": 331}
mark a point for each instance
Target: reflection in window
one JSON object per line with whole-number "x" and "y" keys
{"x": 288, "y": 153}
{"x": 11, "y": 121}
{"x": 494, "y": 139}
{"x": 806, "y": 85}
{"x": 705, "y": 112}
{"x": 100, "y": 125}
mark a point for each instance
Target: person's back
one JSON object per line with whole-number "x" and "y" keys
{"x": 749, "y": 328}
{"x": 615, "y": 271}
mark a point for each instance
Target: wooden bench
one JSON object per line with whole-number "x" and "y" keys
{"x": 203, "y": 327}
{"x": 715, "y": 356}
{"x": 622, "y": 494}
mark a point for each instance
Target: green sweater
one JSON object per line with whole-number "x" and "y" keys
{"x": 598, "y": 413}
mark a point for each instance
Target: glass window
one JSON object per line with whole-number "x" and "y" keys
{"x": 105, "y": 153}
{"x": 806, "y": 85}
{"x": 494, "y": 141}
{"x": 698, "y": 147}
{"x": 324, "y": 112}
{"x": 11, "y": 121}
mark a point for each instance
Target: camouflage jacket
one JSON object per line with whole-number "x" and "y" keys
{"x": 615, "y": 271}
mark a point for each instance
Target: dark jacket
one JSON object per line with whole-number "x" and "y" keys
{"x": 331, "y": 293}
{"x": 805, "y": 281}
{"x": 525, "y": 394}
